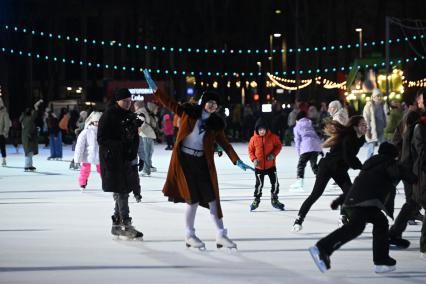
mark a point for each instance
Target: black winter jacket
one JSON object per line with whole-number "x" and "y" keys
{"x": 419, "y": 159}
{"x": 118, "y": 146}
{"x": 375, "y": 186}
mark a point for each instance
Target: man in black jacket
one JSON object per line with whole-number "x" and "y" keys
{"x": 118, "y": 146}
{"x": 373, "y": 191}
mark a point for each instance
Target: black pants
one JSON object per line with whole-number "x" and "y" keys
{"x": 303, "y": 160}
{"x": 3, "y": 146}
{"x": 121, "y": 205}
{"x": 359, "y": 217}
{"x": 408, "y": 210}
{"x": 169, "y": 141}
{"x": 326, "y": 171}
{"x": 260, "y": 177}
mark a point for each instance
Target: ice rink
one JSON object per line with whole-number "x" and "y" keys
{"x": 51, "y": 232}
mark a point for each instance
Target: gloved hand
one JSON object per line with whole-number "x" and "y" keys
{"x": 243, "y": 166}
{"x": 256, "y": 163}
{"x": 270, "y": 157}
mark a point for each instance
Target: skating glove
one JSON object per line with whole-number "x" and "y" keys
{"x": 256, "y": 163}
{"x": 270, "y": 157}
{"x": 243, "y": 166}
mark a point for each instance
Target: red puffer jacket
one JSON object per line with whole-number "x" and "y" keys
{"x": 260, "y": 147}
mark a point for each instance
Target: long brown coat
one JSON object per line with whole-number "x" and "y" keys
{"x": 176, "y": 187}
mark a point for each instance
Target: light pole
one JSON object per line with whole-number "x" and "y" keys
{"x": 359, "y": 31}
{"x": 271, "y": 58}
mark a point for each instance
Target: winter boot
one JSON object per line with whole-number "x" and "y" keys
{"x": 297, "y": 226}
{"x": 129, "y": 231}
{"x": 222, "y": 240}
{"x": 322, "y": 260}
{"x": 116, "y": 225}
{"x": 255, "y": 204}
{"x": 276, "y": 203}
{"x": 192, "y": 241}
{"x": 398, "y": 243}
{"x": 385, "y": 266}
{"x": 297, "y": 186}
{"x": 3, "y": 163}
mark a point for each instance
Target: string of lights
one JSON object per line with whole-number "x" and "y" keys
{"x": 114, "y": 43}
{"x": 90, "y": 64}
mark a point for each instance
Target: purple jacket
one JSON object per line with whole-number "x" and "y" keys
{"x": 305, "y": 137}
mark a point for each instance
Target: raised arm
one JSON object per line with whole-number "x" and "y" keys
{"x": 168, "y": 102}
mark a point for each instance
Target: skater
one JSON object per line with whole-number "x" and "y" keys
{"x": 87, "y": 148}
{"x": 148, "y": 133}
{"x": 168, "y": 131}
{"x": 118, "y": 146}
{"x": 345, "y": 142}
{"x": 337, "y": 112}
{"x": 79, "y": 127}
{"x": 55, "y": 137}
{"x": 192, "y": 177}
{"x": 373, "y": 190}
{"x": 263, "y": 149}
{"x": 308, "y": 147}
{"x": 375, "y": 115}
{"x": 5, "y": 125}
{"x": 30, "y": 135}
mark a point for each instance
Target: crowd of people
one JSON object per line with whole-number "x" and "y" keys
{"x": 120, "y": 143}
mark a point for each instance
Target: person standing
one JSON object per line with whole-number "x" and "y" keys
{"x": 344, "y": 143}
{"x": 5, "y": 125}
{"x": 337, "y": 112}
{"x": 148, "y": 133}
{"x": 375, "y": 115}
{"x": 168, "y": 131}
{"x": 30, "y": 135}
{"x": 118, "y": 146}
{"x": 55, "y": 137}
{"x": 192, "y": 177}
{"x": 263, "y": 149}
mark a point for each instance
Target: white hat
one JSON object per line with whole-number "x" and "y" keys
{"x": 94, "y": 116}
{"x": 376, "y": 92}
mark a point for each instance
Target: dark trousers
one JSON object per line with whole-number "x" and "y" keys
{"x": 303, "y": 160}
{"x": 121, "y": 205}
{"x": 359, "y": 217}
{"x": 326, "y": 171}
{"x": 3, "y": 146}
{"x": 260, "y": 177}
{"x": 169, "y": 141}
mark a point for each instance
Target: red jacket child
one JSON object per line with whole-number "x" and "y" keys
{"x": 264, "y": 146}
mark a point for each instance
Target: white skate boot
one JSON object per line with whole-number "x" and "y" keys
{"x": 297, "y": 186}
{"x": 297, "y": 226}
{"x": 192, "y": 241}
{"x": 423, "y": 255}
{"x": 222, "y": 240}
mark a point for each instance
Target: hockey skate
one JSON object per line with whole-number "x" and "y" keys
{"x": 128, "y": 231}
{"x": 398, "y": 243}
{"x": 255, "y": 204}
{"x": 297, "y": 226}
{"x": 277, "y": 204}
{"x": 194, "y": 242}
{"x": 153, "y": 169}
{"x": 321, "y": 259}
{"x": 297, "y": 186}
{"x": 385, "y": 266}
{"x": 222, "y": 240}
{"x": 116, "y": 226}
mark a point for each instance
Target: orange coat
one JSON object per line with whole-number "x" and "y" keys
{"x": 176, "y": 187}
{"x": 261, "y": 146}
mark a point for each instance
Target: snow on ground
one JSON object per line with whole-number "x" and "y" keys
{"x": 51, "y": 232}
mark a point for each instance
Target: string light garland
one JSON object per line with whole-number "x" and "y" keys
{"x": 114, "y": 43}
{"x": 418, "y": 83}
{"x": 304, "y": 84}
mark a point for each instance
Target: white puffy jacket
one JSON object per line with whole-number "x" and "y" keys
{"x": 87, "y": 148}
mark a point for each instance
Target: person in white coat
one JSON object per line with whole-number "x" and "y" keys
{"x": 338, "y": 112}
{"x": 375, "y": 115}
{"x": 87, "y": 148}
{"x": 5, "y": 125}
{"x": 148, "y": 134}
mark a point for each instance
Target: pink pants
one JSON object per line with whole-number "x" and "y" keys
{"x": 85, "y": 173}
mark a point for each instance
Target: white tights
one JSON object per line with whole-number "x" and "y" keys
{"x": 191, "y": 210}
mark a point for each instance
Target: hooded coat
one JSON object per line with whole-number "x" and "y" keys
{"x": 419, "y": 158}
{"x": 87, "y": 148}
{"x": 305, "y": 137}
{"x": 29, "y": 130}
{"x": 370, "y": 118}
{"x": 5, "y": 122}
{"x": 176, "y": 187}
{"x": 261, "y": 146}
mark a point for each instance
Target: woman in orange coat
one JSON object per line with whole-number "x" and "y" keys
{"x": 192, "y": 177}
{"x": 264, "y": 147}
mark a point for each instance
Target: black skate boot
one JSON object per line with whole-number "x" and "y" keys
{"x": 276, "y": 203}
{"x": 321, "y": 259}
{"x": 398, "y": 243}
{"x": 255, "y": 204}
{"x": 385, "y": 266}
{"x": 129, "y": 231}
{"x": 116, "y": 225}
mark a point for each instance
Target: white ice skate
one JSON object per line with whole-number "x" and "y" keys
{"x": 423, "y": 255}
{"x": 297, "y": 186}
{"x": 3, "y": 163}
{"x": 297, "y": 225}
{"x": 194, "y": 242}
{"x": 384, "y": 268}
{"x": 222, "y": 240}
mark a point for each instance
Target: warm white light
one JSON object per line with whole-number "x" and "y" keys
{"x": 358, "y": 30}
{"x": 227, "y": 111}
{"x": 277, "y": 35}
{"x": 69, "y": 88}
{"x": 266, "y": 108}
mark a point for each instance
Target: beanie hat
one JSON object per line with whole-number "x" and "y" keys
{"x": 388, "y": 149}
{"x": 122, "y": 94}
{"x": 261, "y": 123}
{"x": 209, "y": 96}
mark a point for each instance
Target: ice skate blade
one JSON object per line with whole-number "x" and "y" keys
{"x": 201, "y": 248}
{"x": 315, "y": 256}
{"x": 220, "y": 246}
{"x": 384, "y": 269}
{"x": 124, "y": 238}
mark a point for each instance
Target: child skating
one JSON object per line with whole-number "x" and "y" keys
{"x": 264, "y": 147}
{"x": 87, "y": 148}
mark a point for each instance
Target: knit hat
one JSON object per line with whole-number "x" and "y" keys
{"x": 260, "y": 123}
{"x": 209, "y": 96}
{"x": 122, "y": 94}
{"x": 388, "y": 149}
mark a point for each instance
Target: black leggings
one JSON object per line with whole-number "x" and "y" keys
{"x": 303, "y": 160}
{"x": 326, "y": 171}
{"x": 260, "y": 176}
{"x": 3, "y": 146}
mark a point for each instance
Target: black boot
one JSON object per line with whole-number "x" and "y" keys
{"x": 129, "y": 231}
{"x": 116, "y": 225}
